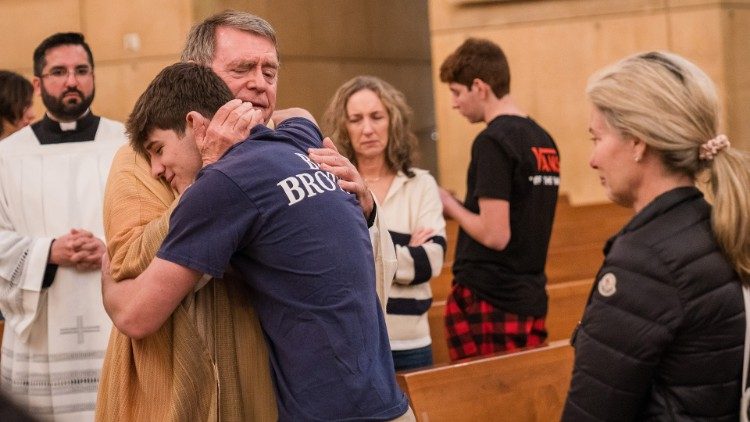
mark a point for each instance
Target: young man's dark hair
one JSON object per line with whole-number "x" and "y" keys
{"x": 171, "y": 96}
{"x": 56, "y": 40}
{"x": 478, "y": 59}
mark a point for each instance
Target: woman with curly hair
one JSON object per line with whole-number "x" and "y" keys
{"x": 370, "y": 122}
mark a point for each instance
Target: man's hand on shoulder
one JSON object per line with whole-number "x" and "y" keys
{"x": 330, "y": 160}
{"x": 287, "y": 113}
{"x": 231, "y": 123}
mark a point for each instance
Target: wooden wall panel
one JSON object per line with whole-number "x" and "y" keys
{"x": 703, "y": 44}
{"x": 118, "y": 85}
{"x": 25, "y": 23}
{"x": 121, "y": 75}
{"x": 311, "y": 84}
{"x": 397, "y": 30}
{"x": 446, "y": 16}
{"x": 343, "y": 29}
{"x": 704, "y": 3}
{"x": 737, "y": 73}
{"x": 160, "y": 24}
{"x": 335, "y": 29}
{"x": 550, "y": 65}
{"x": 553, "y": 47}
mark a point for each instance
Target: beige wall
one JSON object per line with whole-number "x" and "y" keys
{"x": 553, "y": 46}
{"x": 322, "y": 44}
{"x": 121, "y": 74}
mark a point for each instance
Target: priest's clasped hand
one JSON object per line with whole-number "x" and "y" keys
{"x": 79, "y": 249}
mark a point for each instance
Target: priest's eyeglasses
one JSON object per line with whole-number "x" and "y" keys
{"x": 60, "y": 74}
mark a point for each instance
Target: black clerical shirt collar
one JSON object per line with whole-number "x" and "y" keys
{"x": 49, "y": 131}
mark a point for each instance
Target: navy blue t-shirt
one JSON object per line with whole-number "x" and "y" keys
{"x": 302, "y": 246}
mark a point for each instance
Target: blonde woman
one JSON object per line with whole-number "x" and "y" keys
{"x": 662, "y": 335}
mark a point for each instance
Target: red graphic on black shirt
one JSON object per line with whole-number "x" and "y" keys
{"x": 547, "y": 160}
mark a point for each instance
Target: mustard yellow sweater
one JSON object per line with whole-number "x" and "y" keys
{"x": 209, "y": 360}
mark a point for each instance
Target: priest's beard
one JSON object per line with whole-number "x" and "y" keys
{"x": 66, "y": 111}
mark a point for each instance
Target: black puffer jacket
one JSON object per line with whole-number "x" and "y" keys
{"x": 663, "y": 333}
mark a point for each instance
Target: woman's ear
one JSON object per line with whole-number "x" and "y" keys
{"x": 639, "y": 148}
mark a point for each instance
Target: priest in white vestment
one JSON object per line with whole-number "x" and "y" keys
{"x": 52, "y": 178}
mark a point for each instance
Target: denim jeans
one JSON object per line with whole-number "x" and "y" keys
{"x": 413, "y": 358}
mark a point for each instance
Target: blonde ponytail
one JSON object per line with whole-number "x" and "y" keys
{"x": 729, "y": 184}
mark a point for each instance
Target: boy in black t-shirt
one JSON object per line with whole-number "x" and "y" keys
{"x": 498, "y": 301}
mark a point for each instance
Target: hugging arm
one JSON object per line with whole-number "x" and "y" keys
{"x": 140, "y": 306}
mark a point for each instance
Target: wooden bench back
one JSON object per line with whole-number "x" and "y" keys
{"x": 574, "y": 256}
{"x": 530, "y": 385}
{"x": 575, "y": 249}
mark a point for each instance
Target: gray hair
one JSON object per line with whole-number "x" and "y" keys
{"x": 201, "y": 40}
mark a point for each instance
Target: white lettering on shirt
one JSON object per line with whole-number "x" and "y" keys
{"x": 306, "y": 185}
{"x": 539, "y": 180}
{"x": 309, "y": 162}
{"x": 292, "y": 190}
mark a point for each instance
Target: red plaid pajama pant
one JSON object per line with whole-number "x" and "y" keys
{"x": 476, "y": 328}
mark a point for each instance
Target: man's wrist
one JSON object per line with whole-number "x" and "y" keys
{"x": 51, "y": 270}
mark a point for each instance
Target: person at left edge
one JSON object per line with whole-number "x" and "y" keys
{"x": 52, "y": 177}
{"x": 16, "y": 95}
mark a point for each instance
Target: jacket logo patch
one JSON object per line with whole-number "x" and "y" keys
{"x": 607, "y": 285}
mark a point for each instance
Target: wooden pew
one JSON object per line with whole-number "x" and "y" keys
{"x": 578, "y": 236}
{"x": 566, "y": 303}
{"x": 435, "y": 317}
{"x": 529, "y": 385}
{"x": 574, "y": 256}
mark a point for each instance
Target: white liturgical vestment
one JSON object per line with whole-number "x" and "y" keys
{"x": 55, "y": 338}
